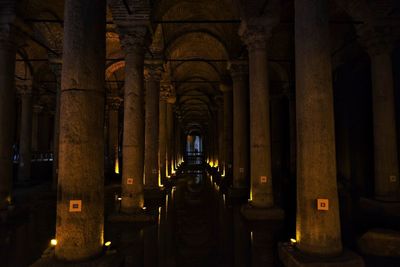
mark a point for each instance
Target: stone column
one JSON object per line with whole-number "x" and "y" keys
{"x": 221, "y": 143}
{"x": 239, "y": 73}
{"x": 162, "y": 136}
{"x": 170, "y": 132}
{"x": 114, "y": 103}
{"x": 261, "y": 193}
{"x": 80, "y": 200}
{"x": 56, "y": 66}
{"x": 384, "y": 122}
{"x": 7, "y": 100}
{"x": 152, "y": 77}
{"x": 317, "y": 231}
{"x": 35, "y": 126}
{"x": 133, "y": 42}
{"x": 228, "y": 129}
{"x": 25, "y": 137}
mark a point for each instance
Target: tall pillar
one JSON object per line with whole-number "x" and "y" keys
{"x": 170, "y": 133}
{"x": 56, "y": 66}
{"x": 114, "y": 103}
{"x": 133, "y": 43}
{"x": 384, "y": 122}
{"x": 152, "y": 77}
{"x": 25, "y": 137}
{"x": 317, "y": 231}
{"x": 228, "y": 129}
{"x": 239, "y": 73}
{"x": 162, "y": 136}
{"x": 80, "y": 200}
{"x": 7, "y": 100}
{"x": 35, "y": 126}
{"x": 261, "y": 193}
{"x": 221, "y": 143}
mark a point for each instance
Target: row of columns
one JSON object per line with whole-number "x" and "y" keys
{"x": 81, "y": 172}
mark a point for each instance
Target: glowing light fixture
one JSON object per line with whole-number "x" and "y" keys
{"x": 53, "y": 242}
{"x": 144, "y": 208}
{"x": 116, "y": 167}
{"x": 107, "y": 244}
{"x": 293, "y": 241}
{"x": 119, "y": 198}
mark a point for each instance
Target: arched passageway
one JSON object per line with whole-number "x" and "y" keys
{"x": 191, "y": 133}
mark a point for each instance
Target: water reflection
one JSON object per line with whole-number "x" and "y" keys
{"x": 197, "y": 225}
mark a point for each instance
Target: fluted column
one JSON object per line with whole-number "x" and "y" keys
{"x": 239, "y": 73}
{"x": 317, "y": 231}
{"x": 7, "y": 100}
{"x": 25, "y": 137}
{"x": 170, "y": 132}
{"x": 165, "y": 89}
{"x": 256, "y": 37}
{"x": 80, "y": 201}
{"x": 387, "y": 184}
{"x": 114, "y": 103}
{"x": 152, "y": 77}
{"x": 133, "y": 43}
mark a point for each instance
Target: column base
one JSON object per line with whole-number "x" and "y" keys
{"x": 292, "y": 257}
{"x": 137, "y": 216}
{"x": 252, "y": 213}
{"x": 381, "y": 208}
{"x": 108, "y": 259}
{"x": 380, "y": 242}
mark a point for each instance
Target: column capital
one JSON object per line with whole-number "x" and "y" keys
{"x": 134, "y": 39}
{"x": 37, "y": 109}
{"x": 165, "y": 90}
{"x": 114, "y": 102}
{"x": 153, "y": 69}
{"x": 255, "y": 32}
{"x": 239, "y": 69}
{"x": 375, "y": 43}
{"x": 24, "y": 87}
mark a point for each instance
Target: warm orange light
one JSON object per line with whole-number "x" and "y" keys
{"x": 116, "y": 167}
{"x": 53, "y": 242}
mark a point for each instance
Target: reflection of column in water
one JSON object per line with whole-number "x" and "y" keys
{"x": 150, "y": 240}
{"x": 225, "y": 231}
{"x": 262, "y": 246}
{"x": 241, "y": 238}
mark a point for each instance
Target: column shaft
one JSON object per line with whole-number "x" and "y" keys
{"x": 228, "y": 131}
{"x": 317, "y": 231}
{"x": 163, "y": 137}
{"x": 221, "y": 143}
{"x": 25, "y": 139}
{"x": 153, "y": 75}
{"x": 133, "y": 136}
{"x": 239, "y": 73}
{"x": 260, "y": 140}
{"x": 80, "y": 201}
{"x": 113, "y": 132}
{"x": 7, "y": 106}
{"x": 384, "y": 122}
{"x": 56, "y": 66}
{"x": 170, "y": 138}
